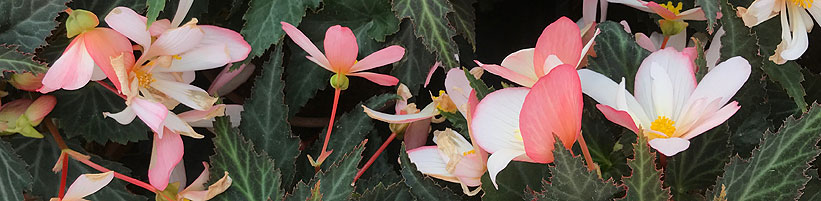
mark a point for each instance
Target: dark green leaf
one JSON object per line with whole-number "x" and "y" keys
{"x": 776, "y": 170}
{"x": 812, "y": 191}
{"x": 711, "y": 9}
{"x": 262, "y": 21}
{"x": 253, "y": 172}
{"x": 154, "y": 8}
{"x": 572, "y": 180}
{"x": 478, "y": 85}
{"x": 464, "y": 19}
{"x": 304, "y": 78}
{"x": 789, "y": 77}
{"x": 12, "y": 60}
{"x": 416, "y": 63}
{"x": 691, "y": 172}
{"x": 618, "y": 55}
{"x": 42, "y": 154}
{"x": 265, "y": 118}
{"x": 380, "y": 192}
{"x": 515, "y": 180}
{"x": 422, "y": 187}
{"x": 645, "y": 182}
{"x": 457, "y": 122}
{"x": 28, "y": 23}
{"x": 80, "y": 114}
{"x": 335, "y": 182}
{"x": 431, "y": 24}
{"x": 14, "y": 179}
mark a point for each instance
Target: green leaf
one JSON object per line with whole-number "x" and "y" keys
{"x": 254, "y": 174}
{"x": 28, "y": 23}
{"x": 478, "y": 85}
{"x": 352, "y": 127}
{"x": 335, "y": 182}
{"x": 789, "y": 77}
{"x": 711, "y": 9}
{"x": 431, "y": 24}
{"x": 644, "y": 183}
{"x": 12, "y": 60}
{"x": 515, "y": 181}
{"x": 154, "y": 8}
{"x": 464, "y": 19}
{"x": 304, "y": 79}
{"x": 262, "y": 21}
{"x": 691, "y": 172}
{"x": 572, "y": 181}
{"x": 602, "y": 137}
{"x": 776, "y": 170}
{"x": 14, "y": 178}
{"x": 812, "y": 191}
{"x": 618, "y": 55}
{"x": 457, "y": 122}
{"x": 422, "y": 187}
{"x": 265, "y": 118}
{"x": 80, "y": 114}
{"x": 380, "y": 192}
{"x": 42, "y": 154}
{"x": 414, "y": 66}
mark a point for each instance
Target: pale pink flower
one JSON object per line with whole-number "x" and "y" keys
{"x": 85, "y": 185}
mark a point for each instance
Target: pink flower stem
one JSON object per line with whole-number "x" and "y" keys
{"x": 330, "y": 125}
{"x": 590, "y": 164}
{"x": 373, "y": 158}
{"x": 110, "y": 88}
{"x": 63, "y": 176}
{"x": 664, "y": 43}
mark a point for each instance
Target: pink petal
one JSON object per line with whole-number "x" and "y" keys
{"x": 379, "y": 58}
{"x": 228, "y": 80}
{"x": 426, "y": 113}
{"x": 470, "y": 169}
{"x": 712, "y": 121}
{"x": 238, "y": 48}
{"x": 416, "y": 135}
{"x": 165, "y": 155}
{"x": 340, "y": 48}
{"x": 72, "y": 70}
{"x": 103, "y": 44}
{"x": 196, "y": 115}
{"x": 380, "y": 79}
{"x": 150, "y": 112}
{"x": 669, "y": 146}
{"x": 694, "y": 14}
{"x": 663, "y": 12}
{"x": 431, "y": 71}
{"x": 521, "y": 62}
{"x": 645, "y": 42}
{"x": 561, "y": 38}
{"x": 589, "y": 11}
{"x": 86, "y": 184}
{"x": 458, "y": 88}
{"x": 201, "y": 58}
{"x": 495, "y": 123}
{"x": 302, "y": 41}
{"x": 130, "y": 24}
{"x": 159, "y": 26}
{"x": 553, "y": 106}
{"x": 201, "y": 181}
{"x": 619, "y": 117}
{"x": 509, "y": 75}
{"x": 40, "y": 108}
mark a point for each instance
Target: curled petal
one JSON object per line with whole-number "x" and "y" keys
{"x": 429, "y": 161}
{"x": 186, "y": 94}
{"x": 86, "y": 184}
{"x": 521, "y": 62}
{"x": 458, "y": 88}
{"x": 509, "y": 75}
{"x": 228, "y": 79}
{"x": 499, "y": 160}
{"x": 165, "y": 154}
{"x": 428, "y": 112}
{"x": 152, "y": 113}
{"x": 431, "y": 71}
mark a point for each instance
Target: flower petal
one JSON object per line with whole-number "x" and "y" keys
{"x": 182, "y": 9}
{"x": 552, "y": 107}
{"x": 637, "y": 4}
{"x": 470, "y": 169}
{"x": 499, "y": 160}
{"x": 103, "y": 44}
{"x": 236, "y": 45}
{"x": 645, "y": 42}
{"x": 159, "y": 26}
{"x": 619, "y": 117}
{"x": 165, "y": 154}
{"x": 607, "y": 92}
{"x": 380, "y": 79}
{"x": 176, "y": 41}
{"x": 379, "y": 58}
{"x": 429, "y": 161}
{"x": 669, "y": 146}
{"x": 177, "y": 125}
{"x": 696, "y": 14}
{"x": 561, "y": 38}
{"x": 228, "y": 80}
{"x": 679, "y": 70}
{"x": 430, "y": 72}
{"x": 302, "y": 41}
{"x": 72, "y": 70}
{"x": 521, "y": 62}
{"x": 458, "y": 88}
{"x": 201, "y": 58}
{"x": 130, "y": 24}
{"x": 428, "y": 112}
{"x": 661, "y": 11}
{"x": 40, "y": 108}
{"x": 800, "y": 41}
{"x": 86, "y": 184}
{"x": 759, "y": 11}
{"x": 150, "y": 112}
{"x": 723, "y": 81}
{"x": 714, "y": 51}
{"x": 509, "y": 75}
{"x": 123, "y": 117}
{"x": 186, "y": 94}
{"x": 714, "y": 120}
{"x": 340, "y": 48}
{"x": 496, "y": 120}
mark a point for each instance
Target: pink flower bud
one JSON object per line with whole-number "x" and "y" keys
{"x": 27, "y": 81}
{"x": 40, "y": 108}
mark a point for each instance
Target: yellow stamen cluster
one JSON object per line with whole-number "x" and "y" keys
{"x": 144, "y": 79}
{"x": 444, "y": 103}
{"x": 472, "y": 151}
{"x": 677, "y": 9}
{"x": 803, "y": 3}
{"x": 177, "y": 57}
{"x": 664, "y": 125}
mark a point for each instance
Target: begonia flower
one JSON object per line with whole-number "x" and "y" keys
{"x": 453, "y": 159}
{"x": 795, "y": 24}
{"x": 85, "y": 185}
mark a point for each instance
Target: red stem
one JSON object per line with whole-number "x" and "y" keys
{"x": 63, "y": 176}
{"x": 110, "y": 88}
{"x": 590, "y": 164}
{"x": 331, "y": 123}
{"x": 373, "y": 158}
{"x": 664, "y": 43}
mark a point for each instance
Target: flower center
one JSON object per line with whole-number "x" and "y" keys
{"x": 803, "y": 3}
{"x": 144, "y": 79}
{"x": 472, "y": 151}
{"x": 663, "y": 125}
{"x": 677, "y": 9}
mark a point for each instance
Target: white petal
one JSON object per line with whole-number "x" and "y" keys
{"x": 714, "y": 51}
{"x": 521, "y": 62}
{"x": 662, "y": 91}
{"x": 499, "y": 160}
{"x": 606, "y": 92}
{"x": 201, "y": 58}
{"x": 799, "y": 42}
{"x": 669, "y": 146}
{"x": 427, "y": 112}
{"x": 496, "y": 120}
{"x": 429, "y": 161}
{"x": 123, "y": 117}
{"x": 86, "y": 184}
{"x": 186, "y": 94}
{"x": 175, "y": 124}
{"x": 458, "y": 88}
{"x": 723, "y": 81}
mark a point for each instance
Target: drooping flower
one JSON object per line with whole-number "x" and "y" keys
{"x": 521, "y": 123}
{"x": 453, "y": 159}
{"x": 794, "y": 28}
{"x": 669, "y": 107}
{"x": 340, "y": 55}
{"x": 560, "y": 43}
{"x": 85, "y": 185}
{"x": 197, "y": 191}
{"x": 22, "y": 115}
{"x": 91, "y": 47}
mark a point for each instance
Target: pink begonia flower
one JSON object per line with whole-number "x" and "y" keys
{"x": 197, "y": 190}
{"x": 91, "y": 47}
{"x": 669, "y": 107}
{"x": 453, "y": 159}
{"x": 22, "y": 115}
{"x": 520, "y": 123}
{"x": 341, "y": 51}
{"x": 228, "y": 80}
{"x": 669, "y": 11}
{"x": 85, "y": 185}
{"x": 795, "y": 24}
{"x": 560, "y": 43}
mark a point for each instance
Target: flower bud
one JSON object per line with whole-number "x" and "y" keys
{"x": 80, "y": 21}
{"x": 27, "y": 81}
{"x": 40, "y": 108}
{"x": 339, "y": 81}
